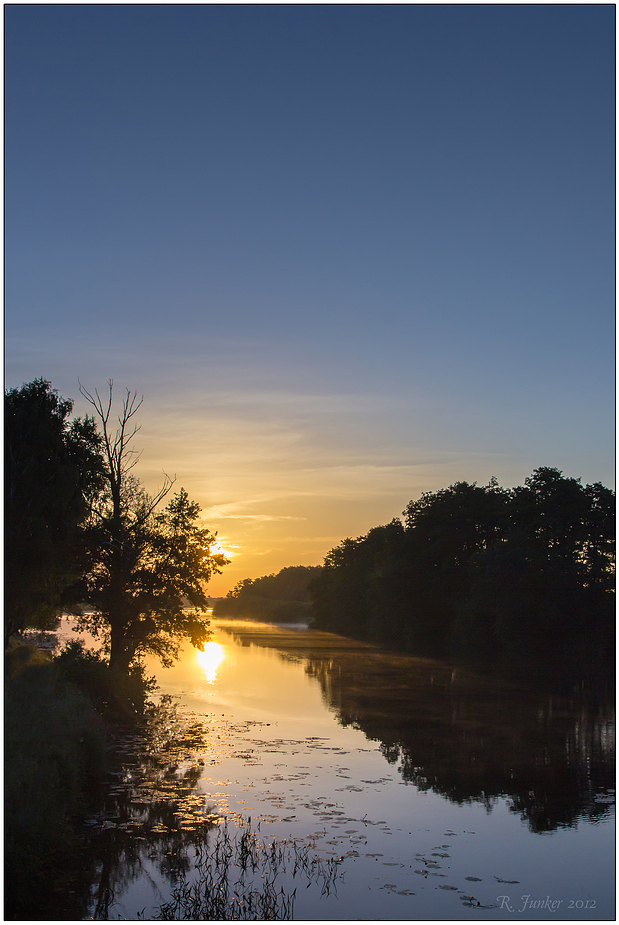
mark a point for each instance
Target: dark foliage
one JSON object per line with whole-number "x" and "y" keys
{"x": 144, "y": 569}
{"x": 55, "y": 747}
{"x": 81, "y": 529}
{"x": 280, "y": 598}
{"x": 53, "y": 471}
{"x": 116, "y": 695}
{"x": 482, "y": 572}
{"x": 62, "y": 716}
{"x": 143, "y": 565}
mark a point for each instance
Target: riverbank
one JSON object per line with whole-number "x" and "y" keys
{"x": 63, "y": 718}
{"x": 55, "y": 746}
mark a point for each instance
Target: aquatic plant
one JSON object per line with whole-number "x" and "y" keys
{"x": 239, "y": 877}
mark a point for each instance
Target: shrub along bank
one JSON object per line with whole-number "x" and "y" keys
{"x": 60, "y": 715}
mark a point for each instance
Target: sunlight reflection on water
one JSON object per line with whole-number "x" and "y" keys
{"x": 210, "y": 659}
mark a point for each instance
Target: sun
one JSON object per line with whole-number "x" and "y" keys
{"x": 217, "y": 549}
{"x": 210, "y": 659}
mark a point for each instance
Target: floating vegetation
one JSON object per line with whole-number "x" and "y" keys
{"x": 240, "y": 878}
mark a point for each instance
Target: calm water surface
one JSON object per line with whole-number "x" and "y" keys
{"x": 441, "y": 790}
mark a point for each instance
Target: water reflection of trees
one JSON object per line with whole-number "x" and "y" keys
{"x": 548, "y": 748}
{"x": 471, "y": 738}
{"x": 153, "y": 844}
{"x": 149, "y": 821}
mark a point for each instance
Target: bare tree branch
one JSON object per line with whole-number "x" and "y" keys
{"x": 121, "y": 457}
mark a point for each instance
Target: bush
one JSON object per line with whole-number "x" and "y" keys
{"x": 58, "y": 716}
{"x": 117, "y": 696}
{"x": 54, "y": 755}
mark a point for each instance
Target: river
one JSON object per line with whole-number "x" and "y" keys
{"x": 446, "y": 795}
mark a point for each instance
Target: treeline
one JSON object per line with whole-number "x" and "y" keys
{"x": 280, "y": 598}
{"x": 482, "y": 572}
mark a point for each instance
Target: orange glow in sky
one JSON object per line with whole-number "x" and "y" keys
{"x": 332, "y": 313}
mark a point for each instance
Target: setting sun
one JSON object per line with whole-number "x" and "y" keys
{"x": 217, "y": 549}
{"x": 210, "y": 659}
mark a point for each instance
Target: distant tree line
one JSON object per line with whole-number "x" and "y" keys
{"x": 485, "y": 572}
{"x": 280, "y": 598}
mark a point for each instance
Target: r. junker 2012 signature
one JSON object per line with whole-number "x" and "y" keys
{"x": 530, "y": 903}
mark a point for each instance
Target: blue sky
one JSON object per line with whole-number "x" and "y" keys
{"x": 347, "y": 253}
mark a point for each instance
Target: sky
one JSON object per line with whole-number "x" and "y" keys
{"x": 347, "y": 253}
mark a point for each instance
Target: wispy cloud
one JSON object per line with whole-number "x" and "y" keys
{"x": 215, "y": 512}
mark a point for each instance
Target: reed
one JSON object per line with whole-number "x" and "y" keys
{"x": 241, "y": 877}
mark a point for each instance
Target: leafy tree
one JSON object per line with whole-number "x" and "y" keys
{"x": 337, "y": 595}
{"x": 452, "y": 524}
{"x": 483, "y": 571}
{"x": 567, "y": 521}
{"x": 355, "y": 591}
{"x": 240, "y": 587}
{"x": 549, "y": 587}
{"x": 444, "y": 531}
{"x": 53, "y": 474}
{"x": 144, "y": 566}
{"x": 289, "y": 584}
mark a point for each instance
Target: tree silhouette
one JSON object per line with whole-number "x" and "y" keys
{"x": 549, "y": 585}
{"x": 144, "y": 565}
{"x": 53, "y": 474}
{"x": 278, "y": 598}
{"x": 482, "y": 572}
